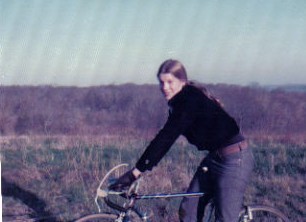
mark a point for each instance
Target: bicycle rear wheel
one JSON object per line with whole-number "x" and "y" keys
{"x": 262, "y": 214}
{"x": 103, "y": 217}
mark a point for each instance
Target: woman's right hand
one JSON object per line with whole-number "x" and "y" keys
{"x": 125, "y": 180}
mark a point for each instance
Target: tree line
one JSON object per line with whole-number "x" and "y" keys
{"x": 109, "y": 109}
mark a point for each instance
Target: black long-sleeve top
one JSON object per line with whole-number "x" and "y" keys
{"x": 192, "y": 114}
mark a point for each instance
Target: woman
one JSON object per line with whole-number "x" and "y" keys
{"x": 224, "y": 172}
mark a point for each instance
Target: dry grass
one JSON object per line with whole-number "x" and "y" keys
{"x": 64, "y": 172}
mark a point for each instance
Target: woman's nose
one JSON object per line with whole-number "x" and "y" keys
{"x": 165, "y": 87}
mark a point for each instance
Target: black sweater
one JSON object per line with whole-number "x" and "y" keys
{"x": 192, "y": 114}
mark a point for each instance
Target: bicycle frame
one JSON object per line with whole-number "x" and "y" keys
{"x": 132, "y": 198}
{"x": 170, "y": 195}
{"x": 131, "y": 195}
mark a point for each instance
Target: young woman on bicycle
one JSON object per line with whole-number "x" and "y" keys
{"x": 202, "y": 120}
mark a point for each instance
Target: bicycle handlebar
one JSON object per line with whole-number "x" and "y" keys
{"x": 128, "y": 194}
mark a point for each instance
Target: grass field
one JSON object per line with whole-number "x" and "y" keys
{"x": 56, "y": 177}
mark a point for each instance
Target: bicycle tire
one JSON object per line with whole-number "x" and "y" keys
{"x": 263, "y": 214}
{"x": 103, "y": 217}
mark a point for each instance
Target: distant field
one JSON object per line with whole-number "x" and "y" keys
{"x": 57, "y": 176}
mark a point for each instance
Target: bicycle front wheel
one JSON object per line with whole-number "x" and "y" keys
{"x": 262, "y": 214}
{"x": 103, "y": 217}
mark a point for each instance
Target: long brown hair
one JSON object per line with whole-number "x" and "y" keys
{"x": 177, "y": 69}
{"x": 174, "y": 67}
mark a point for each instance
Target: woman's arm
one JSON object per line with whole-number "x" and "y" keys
{"x": 180, "y": 119}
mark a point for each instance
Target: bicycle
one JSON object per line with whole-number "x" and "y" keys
{"x": 128, "y": 212}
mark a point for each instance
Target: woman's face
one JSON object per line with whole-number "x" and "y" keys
{"x": 170, "y": 85}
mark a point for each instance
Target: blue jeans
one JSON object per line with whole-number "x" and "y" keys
{"x": 224, "y": 182}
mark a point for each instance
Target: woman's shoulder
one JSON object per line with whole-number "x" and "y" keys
{"x": 193, "y": 92}
{"x": 188, "y": 94}
{"x": 190, "y": 88}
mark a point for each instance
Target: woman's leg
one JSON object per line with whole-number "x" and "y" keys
{"x": 192, "y": 208}
{"x": 231, "y": 176}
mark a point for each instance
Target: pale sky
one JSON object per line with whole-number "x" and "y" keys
{"x": 98, "y": 42}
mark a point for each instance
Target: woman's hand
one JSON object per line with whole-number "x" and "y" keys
{"x": 125, "y": 180}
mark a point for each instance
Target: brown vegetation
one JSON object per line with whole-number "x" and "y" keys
{"x": 47, "y": 110}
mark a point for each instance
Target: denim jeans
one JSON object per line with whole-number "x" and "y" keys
{"x": 222, "y": 179}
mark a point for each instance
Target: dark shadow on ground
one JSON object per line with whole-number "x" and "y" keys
{"x": 28, "y": 198}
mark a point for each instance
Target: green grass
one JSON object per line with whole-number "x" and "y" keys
{"x": 66, "y": 177}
